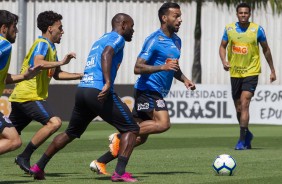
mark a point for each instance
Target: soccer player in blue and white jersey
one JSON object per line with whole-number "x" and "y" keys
{"x": 158, "y": 65}
{"x": 9, "y": 137}
{"x": 95, "y": 97}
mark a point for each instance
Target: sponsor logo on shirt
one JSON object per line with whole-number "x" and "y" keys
{"x": 87, "y": 78}
{"x": 141, "y": 106}
{"x": 253, "y": 29}
{"x": 239, "y": 49}
{"x": 168, "y": 60}
{"x": 51, "y": 72}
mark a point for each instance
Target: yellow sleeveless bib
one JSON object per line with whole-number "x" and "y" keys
{"x": 4, "y": 71}
{"x": 243, "y": 51}
{"x": 37, "y": 87}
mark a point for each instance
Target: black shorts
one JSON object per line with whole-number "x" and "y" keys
{"x": 4, "y": 122}
{"x": 147, "y": 101}
{"x": 87, "y": 107}
{"x": 23, "y": 113}
{"x": 243, "y": 84}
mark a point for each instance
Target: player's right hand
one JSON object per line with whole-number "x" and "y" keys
{"x": 68, "y": 58}
{"x": 226, "y": 65}
{"x": 170, "y": 66}
{"x": 32, "y": 72}
{"x": 102, "y": 96}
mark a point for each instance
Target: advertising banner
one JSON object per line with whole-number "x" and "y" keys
{"x": 214, "y": 104}
{"x": 207, "y": 104}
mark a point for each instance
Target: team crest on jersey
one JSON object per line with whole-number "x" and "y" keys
{"x": 160, "y": 103}
{"x": 161, "y": 38}
{"x": 229, "y": 28}
{"x": 253, "y": 29}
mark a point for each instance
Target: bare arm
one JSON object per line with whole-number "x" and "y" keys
{"x": 39, "y": 60}
{"x": 268, "y": 57}
{"x": 106, "y": 60}
{"x": 181, "y": 77}
{"x": 142, "y": 68}
{"x": 29, "y": 74}
{"x": 62, "y": 75}
{"x": 222, "y": 54}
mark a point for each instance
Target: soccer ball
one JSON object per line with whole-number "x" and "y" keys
{"x": 224, "y": 165}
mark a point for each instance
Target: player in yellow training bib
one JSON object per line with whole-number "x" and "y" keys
{"x": 9, "y": 137}
{"x": 241, "y": 40}
{"x": 29, "y": 97}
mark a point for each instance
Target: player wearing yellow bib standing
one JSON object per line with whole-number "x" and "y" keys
{"x": 241, "y": 39}
{"x": 29, "y": 97}
{"x": 9, "y": 137}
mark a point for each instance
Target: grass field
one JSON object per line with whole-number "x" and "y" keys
{"x": 182, "y": 155}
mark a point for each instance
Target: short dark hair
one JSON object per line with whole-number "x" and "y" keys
{"x": 7, "y": 18}
{"x": 164, "y": 9}
{"x": 46, "y": 19}
{"x": 243, "y": 5}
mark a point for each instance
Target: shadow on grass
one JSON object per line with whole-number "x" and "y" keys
{"x": 168, "y": 173}
{"x": 60, "y": 174}
{"x": 149, "y": 173}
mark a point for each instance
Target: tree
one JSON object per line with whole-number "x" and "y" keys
{"x": 276, "y": 6}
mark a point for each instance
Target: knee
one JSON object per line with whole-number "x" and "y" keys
{"x": 164, "y": 126}
{"x": 55, "y": 123}
{"x": 16, "y": 143}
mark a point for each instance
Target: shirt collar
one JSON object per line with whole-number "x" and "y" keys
{"x": 52, "y": 44}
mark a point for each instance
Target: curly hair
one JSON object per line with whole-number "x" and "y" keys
{"x": 7, "y": 18}
{"x": 46, "y": 19}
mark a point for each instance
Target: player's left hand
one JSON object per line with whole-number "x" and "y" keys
{"x": 189, "y": 85}
{"x": 32, "y": 72}
{"x": 104, "y": 93}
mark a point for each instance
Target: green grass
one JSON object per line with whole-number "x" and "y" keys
{"x": 182, "y": 155}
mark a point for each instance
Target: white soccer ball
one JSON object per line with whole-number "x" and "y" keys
{"x": 224, "y": 165}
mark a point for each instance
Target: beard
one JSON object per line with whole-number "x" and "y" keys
{"x": 128, "y": 36}
{"x": 172, "y": 29}
{"x": 10, "y": 38}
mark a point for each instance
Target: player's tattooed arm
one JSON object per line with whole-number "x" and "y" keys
{"x": 141, "y": 67}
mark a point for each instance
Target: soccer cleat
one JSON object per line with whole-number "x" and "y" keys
{"x": 240, "y": 145}
{"x": 37, "y": 173}
{"x": 99, "y": 168}
{"x": 23, "y": 163}
{"x": 126, "y": 177}
{"x": 114, "y": 144}
{"x": 249, "y": 138}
